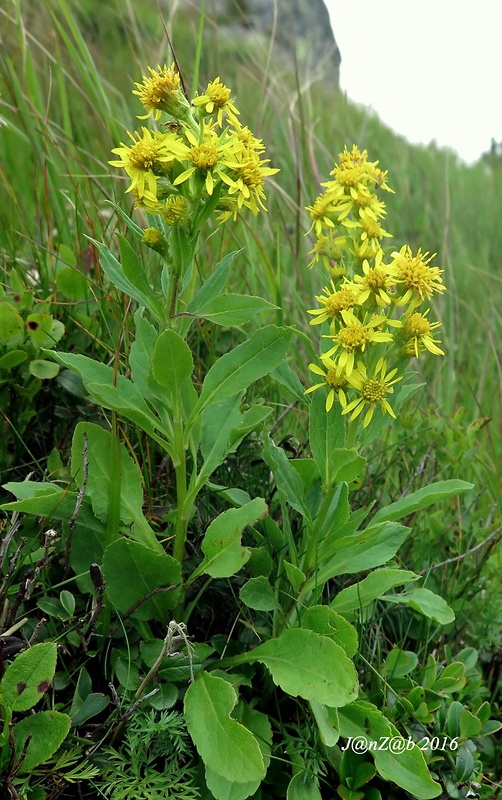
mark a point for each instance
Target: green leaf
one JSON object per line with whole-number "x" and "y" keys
{"x": 245, "y": 364}
{"x": 399, "y": 663}
{"x": 111, "y": 390}
{"x": 284, "y": 375}
{"x": 115, "y": 273}
{"x": 211, "y": 288}
{"x": 140, "y": 355}
{"x": 303, "y": 786}
{"x": 233, "y": 309}
{"x": 72, "y": 284}
{"x": 347, "y": 465}
{"x": 217, "y": 422}
{"x": 327, "y": 722}
{"x": 40, "y": 499}
{"x": 101, "y": 478}
{"x": 287, "y": 479}
{"x": 434, "y": 493}
{"x": 47, "y": 729}
{"x": 258, "y": 723}
{"x": 133, "y": 268}
{"x": 323, "y": 620}
{"x": 295, "y": 575}
{"x": 361, "y": 594}
{"x": 13, "y": 359}
{"x": 85, "y": 703}
{"x": 470, "y": 725}
{"x": 42, "y": 369}
{"x": 258, "y": 594}
{"x": 451, "y": 679}
{"x": 11, "y": 326}
{"x": 305, "y": 664}
{"x": 172, "y": 361}
{"x": 131, "y": 571}
{"x": 29, "y": 676}
{"x": 425, "y": 602}
{"x": 225, "y": 746}
{"x": 407, "y": 769}
{"x": 222, "y": 548}
{"x": 326, "y": 433}
{"x": 362, "y": 551}
{"x": 94, "y": 704}
{"x": 43, "y": 330}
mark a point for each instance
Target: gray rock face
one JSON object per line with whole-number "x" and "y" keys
{"x": 301, "y": 30}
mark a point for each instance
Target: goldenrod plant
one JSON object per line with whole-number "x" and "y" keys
{"x": 271, "y": 695}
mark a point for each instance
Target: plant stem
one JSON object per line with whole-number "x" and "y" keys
{"x": 181, "y": 484}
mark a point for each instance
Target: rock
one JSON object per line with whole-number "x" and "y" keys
{"x": 301, "y": 30}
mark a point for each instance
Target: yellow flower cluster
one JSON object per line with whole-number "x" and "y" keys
{"x": 203, "y": 153}
{"x": 370, "y": 306}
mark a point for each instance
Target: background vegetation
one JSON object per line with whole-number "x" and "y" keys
{"x": 66, "y": 73}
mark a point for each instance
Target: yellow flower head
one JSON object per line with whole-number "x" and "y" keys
{"x": 415, "y": 280}
{"x": 375, "y": 282}
{"x": 333, "y": 303}
{"x": 329, "y": 249}
{"x": 417, "y": 331}
{"x": 353, "y": 337}
{"x": 175, "y": 208}
{"x": 149, "y": 156}
{"x": 334, "y": 381}
{"x": 161, "y": 91}
{"x": 372, "y": 391}
{"x": 216, "y": 100}
{"x": 154, "y": 239}
{"x": 355, "y": 171}
{"x": 207, "y": 157}
{"x": 247, "y": 138}
{"x": 244, "y": 177}
{"x": 324, "y": 212}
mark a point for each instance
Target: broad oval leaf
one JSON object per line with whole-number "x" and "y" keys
{"x": 425, "y": 602}
{"x": 323, "y": 620}
{"x": 303, "y": 786}
{"x": 133, "y": 571}
{"x": 224, "y": 553}
{"x": 47, "y": 729}
{"x": 29, "y": 676}
{"x": 258, "y": 594}
{"x": 363, "y": 720}
{"x": 306, "y": 664}
{"x": 225, "y": 746}
{"x": 172, "y": 360}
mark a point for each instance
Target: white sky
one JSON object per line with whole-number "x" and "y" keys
{"x": 430, "y": 69}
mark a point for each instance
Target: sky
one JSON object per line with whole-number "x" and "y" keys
{"x": 430, "y": 69}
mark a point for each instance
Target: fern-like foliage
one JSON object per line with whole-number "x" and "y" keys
{"x": 153, "y": 762}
